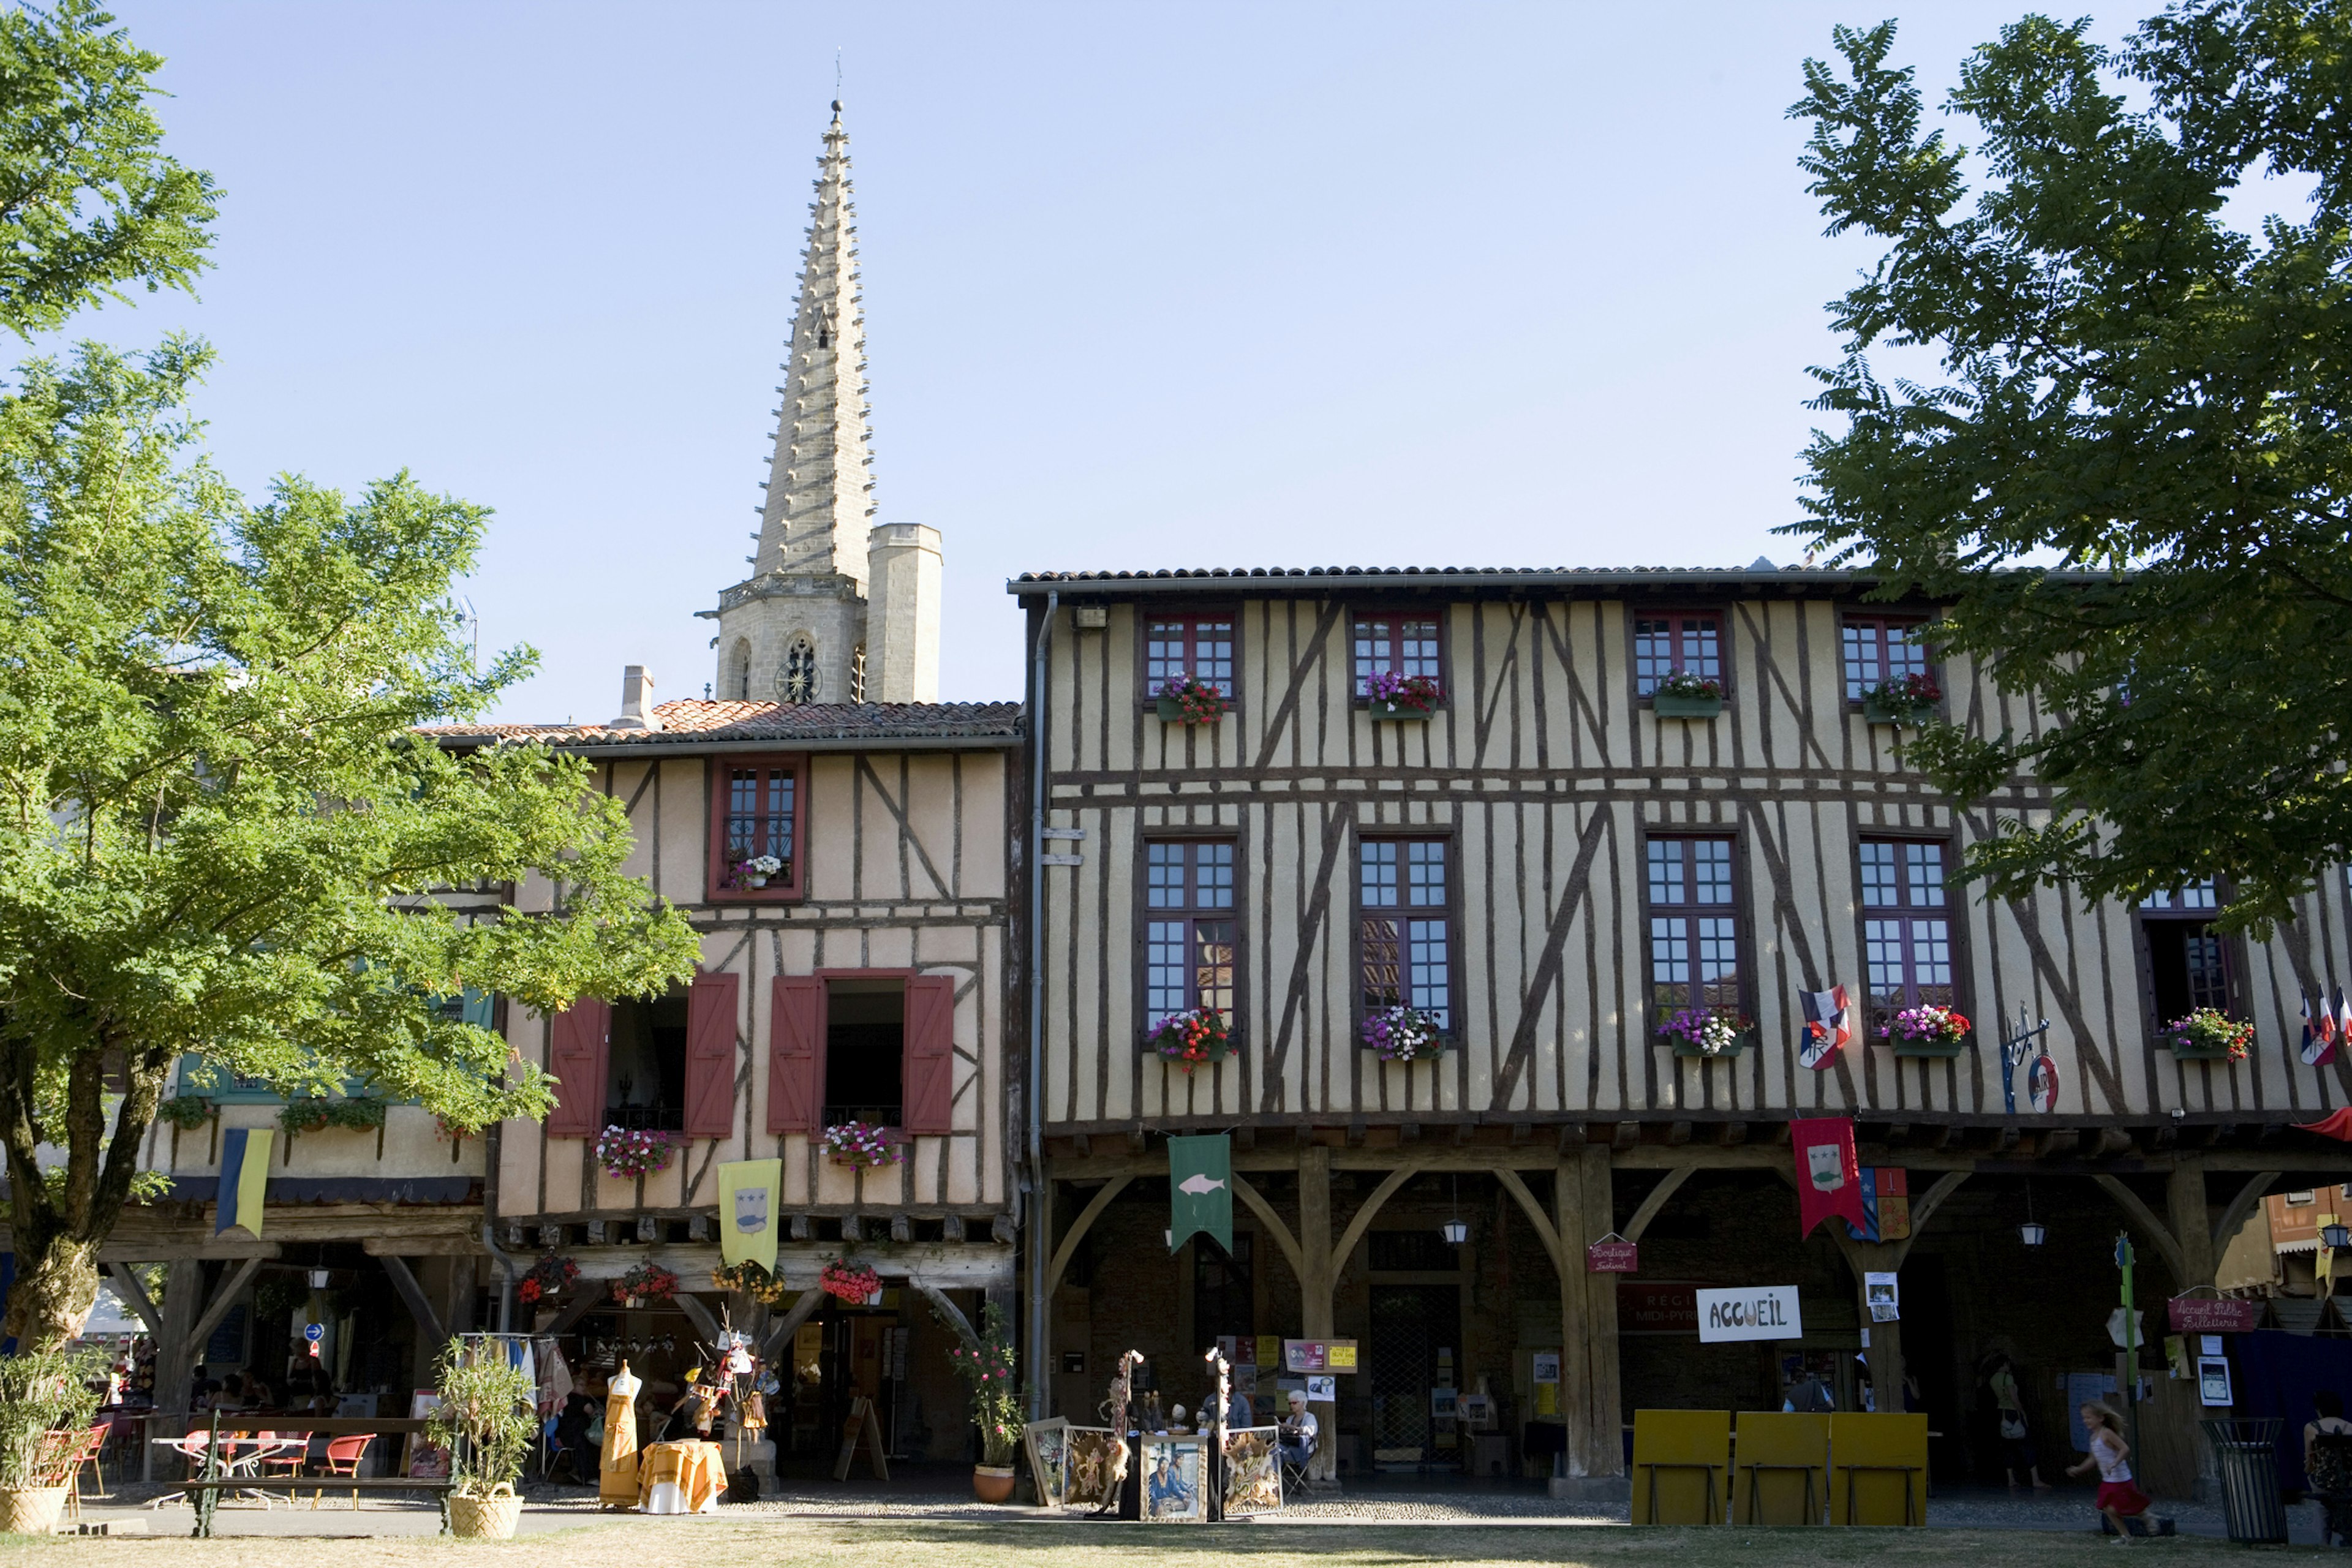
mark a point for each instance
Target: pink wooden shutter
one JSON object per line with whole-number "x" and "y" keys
{"x": 582, "y": 1033}
{"x": 711, "y": 1055}
{"x": 929, "y": 1067}
{"x": 795, "y": 1054}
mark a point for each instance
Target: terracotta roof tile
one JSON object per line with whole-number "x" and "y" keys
{"x": 691, "y": 720}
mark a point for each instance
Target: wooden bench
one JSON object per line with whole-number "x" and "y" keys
{"x": 206, "y": 1492}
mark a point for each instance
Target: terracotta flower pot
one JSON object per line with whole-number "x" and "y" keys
{"x": 491, "y": 1517}
{"x": 992, "y": 1483}
{"x": 33, "y": 1511}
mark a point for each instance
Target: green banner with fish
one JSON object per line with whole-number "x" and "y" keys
{"x": 1200, "y": 1189}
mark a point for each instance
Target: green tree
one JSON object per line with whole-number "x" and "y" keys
{"x": 2130, "y": 475}
{"x": 219, "y": 830}
{"x": 88, "y": 200}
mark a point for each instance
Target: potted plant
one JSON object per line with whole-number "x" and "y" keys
{"x": 1393, "y": 696}
{"x": 863, "y": 1144}
{"x": 185, "y": 1112}
{"x": 852, "y": 1282}
{"x": 1706, "y": 1031}
{"x": 45, "y": 1401}
{"x": 549, "y": 1278}
{"x": 359, "y": 1112}
{"x": 987, "y": 1370}
{"x": 1682, "y": 695}
{"x": 750, "y": 1279}
{"x": 1909, "y": 700}
{"x": 649, "y": 1284}
{"x": 487, "y": 1422}
{"x": 1927, "y": 1030}
{"x": 625, "y": 1151}
{"x": 1192, "y": 1038}
{"x": 2207, "y": 1035}
{"x": 1188, "y": 699}
{"x": 1401, "y": 1033}
{"x": 755, "y": 871}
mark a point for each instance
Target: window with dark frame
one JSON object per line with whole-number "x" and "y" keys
{"x": 1879, "y": 649}
{"x": 2187, "y": 961}
{"x": 1189, "y": 926}
{"x": 758, "y": 803}
{"x": 1406, "y": 645}
{"x": 1405, "y": 941}
{"x": 645, "y": 1067}
{"x": 1691, "y": 641}
{"x": 1906, "y": 929}
{"x": 865, "y": 1052}
{"x": 1200, "y": 645}
{"x": 1694, "y": 926}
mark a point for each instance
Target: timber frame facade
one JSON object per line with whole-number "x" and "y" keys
{"x": 1553, "y": 941}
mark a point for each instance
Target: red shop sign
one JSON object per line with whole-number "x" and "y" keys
{"x": 1613, "y": 1257}
{"x": 2212, "y": 1315}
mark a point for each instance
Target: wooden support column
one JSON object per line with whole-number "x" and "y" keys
{"x": 1606, "y": 1417}
{"x": 2192, "y": 1220}
{"x": 175, "y": 1349}
{"x": 1317, "y": 1278}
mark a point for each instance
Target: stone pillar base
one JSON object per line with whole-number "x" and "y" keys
{"x": 1593, "y": 1488}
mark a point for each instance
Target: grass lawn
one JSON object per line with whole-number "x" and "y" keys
{"x": 833, "y": 1543}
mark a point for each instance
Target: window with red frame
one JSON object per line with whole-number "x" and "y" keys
{"x": 756, "y": 812}
{"x": 1664, "y": 643}
{"x": 1404, "y": 942}
{"x": 1694, "y": 926}
{"x": 1188, "y": 926}
{"x": 1878, "y": 650}
{"x": 1906, "y": 929}
{"x": 1200, "y": 645}
{"x": 1404, "y": 644}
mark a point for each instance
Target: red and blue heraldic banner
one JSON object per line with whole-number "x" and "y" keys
{"x": 1829, "y": 1176}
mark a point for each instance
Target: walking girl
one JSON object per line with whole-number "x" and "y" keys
{"x": 2119, "y": 1499}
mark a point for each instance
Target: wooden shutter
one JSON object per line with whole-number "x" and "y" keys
{"x": 796, "y": 1054}
{"x": 582, "y": 1034}
{"x": 711, "y": 1055}
{"x": 928, "y": 1065}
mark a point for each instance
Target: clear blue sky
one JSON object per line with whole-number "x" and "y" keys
{"x": 1146, "y": 285}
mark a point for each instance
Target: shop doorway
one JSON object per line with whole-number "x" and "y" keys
{"x": 836, "y": 1357}
{"x": 1414, "y": 1354}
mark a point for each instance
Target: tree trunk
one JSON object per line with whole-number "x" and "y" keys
{"x": 55, "y": 1288}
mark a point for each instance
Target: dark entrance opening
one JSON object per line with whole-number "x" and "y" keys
{"x": 1417, "y": 1348}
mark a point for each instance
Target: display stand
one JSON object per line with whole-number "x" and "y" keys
{"x": 862, "y": 1425}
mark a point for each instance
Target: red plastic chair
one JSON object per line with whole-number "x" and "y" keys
{"x": 344, "y": 1456}
{"x": 291, "y": 1459}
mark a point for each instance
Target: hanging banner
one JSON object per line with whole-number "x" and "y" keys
{"x": 243, "y": 1177}
{"x": 2319, "y": 1031}
{"x": 1829, "y": 1178}
{"x": 1885, "y": 1204}
{"x": 1200, "y": 1190}
{"x": 1829, "y": 1024}
{"x": 748, "y": 1191}
{"x": 1752, "y": 1312}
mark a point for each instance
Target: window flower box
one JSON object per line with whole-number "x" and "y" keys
{"x": 1195, "y": 1037}
{"x": 1707, "y": 1032}
{"x": 1187, "y": 699}
{"x": 2207, "y": 1035}
{"x": 1388, "y": 695}
{"x": 861, "y": 1144}
{"x": 1910, "y": 700}
{"x": 1927, "y": 1030}
{"x": 627, "y": 1152}
{"x": 1402, "y": 1035}
{"x": 1683, "y": 695}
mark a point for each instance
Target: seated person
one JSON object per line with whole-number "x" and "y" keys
{"x": 1300, "y": 1430}
{"x": 571, "y": 1442}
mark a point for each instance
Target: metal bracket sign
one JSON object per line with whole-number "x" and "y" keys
{"x": 2041, "y": 1076}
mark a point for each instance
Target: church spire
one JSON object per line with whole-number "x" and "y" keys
{"x": 820, "y": 492}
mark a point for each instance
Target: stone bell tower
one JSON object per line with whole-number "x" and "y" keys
{"x": 835, "y": 609}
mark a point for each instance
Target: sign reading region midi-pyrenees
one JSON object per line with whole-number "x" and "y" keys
{"x": 1752, "y": 1312}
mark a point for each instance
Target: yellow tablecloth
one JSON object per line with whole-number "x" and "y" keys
{"x": 697, "y": 1471}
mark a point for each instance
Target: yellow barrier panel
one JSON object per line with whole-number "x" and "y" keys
{"x": 1682, "y": 1462}
{"x": 1878, "y": 1468}
{"x": 1782, "y": 1474}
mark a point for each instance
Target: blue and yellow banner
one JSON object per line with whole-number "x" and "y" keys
{"x": 243, "y": 1173}
{"x": 748, "y": 1194}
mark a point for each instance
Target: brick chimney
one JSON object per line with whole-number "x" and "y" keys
{"x": 637, "y": 701}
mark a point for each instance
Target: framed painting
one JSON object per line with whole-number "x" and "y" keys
{"x": 1252, "y": 1471}
{"x": 1049, "y": 1459}
{"x": 1091, "y": 1456}
{"x": 1173, "y": 1490}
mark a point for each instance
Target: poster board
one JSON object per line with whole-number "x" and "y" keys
{"x": 862, "y": 1425}
{"x": 419, "y": 1460}
{"x": 1091, "y": 1455}
{"x": 1048, "y": 1443}
{"x": 1253, "y": 1472}
{"x": 1172, "y": 1489}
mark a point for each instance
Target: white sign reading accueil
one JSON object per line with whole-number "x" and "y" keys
{"x": 1757, "y": 1312}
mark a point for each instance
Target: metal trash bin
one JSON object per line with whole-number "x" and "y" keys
{"x": 2245, "y": 1449}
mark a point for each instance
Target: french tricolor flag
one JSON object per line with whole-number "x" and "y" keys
{"x": 2320, "y": 1032}
{"x": 1829, "y": 1024}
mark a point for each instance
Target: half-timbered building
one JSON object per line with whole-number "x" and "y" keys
{"x": 1548, "y": 863}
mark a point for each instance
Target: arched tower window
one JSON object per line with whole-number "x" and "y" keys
{"x": 738, "y": 673}
{"x": 797, "y": 684}
{"x": 824, "y": 334}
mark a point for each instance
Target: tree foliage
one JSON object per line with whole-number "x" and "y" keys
{"x": 219, "y": 831}
{"x": 2130, "y": 479}
{"x": 87, "y": 198}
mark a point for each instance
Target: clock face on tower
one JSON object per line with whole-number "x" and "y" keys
{"x": 797, "y": 684}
